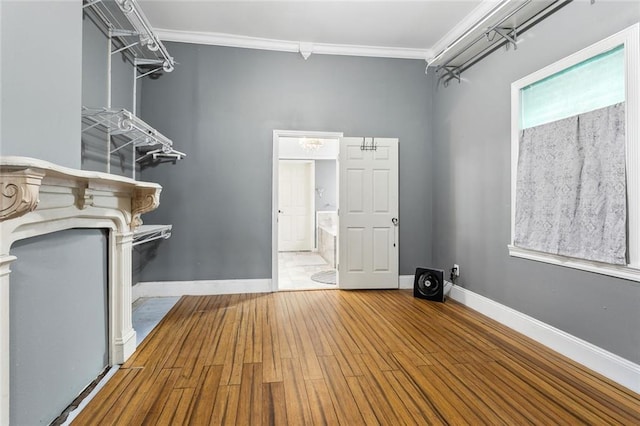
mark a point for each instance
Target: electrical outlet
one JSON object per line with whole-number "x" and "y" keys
{"x": 456, "y": 270}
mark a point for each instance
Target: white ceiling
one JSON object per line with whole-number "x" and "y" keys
{"x": 385, "y": 24}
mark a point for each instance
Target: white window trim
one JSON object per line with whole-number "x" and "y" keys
{"x": 630, "y": 37}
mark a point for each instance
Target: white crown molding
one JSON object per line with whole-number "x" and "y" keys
{"x": 304, "y": 48}
{"x": 478, "y": 16}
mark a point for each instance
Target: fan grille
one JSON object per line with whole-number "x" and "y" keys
{"x": 429, "y": 284}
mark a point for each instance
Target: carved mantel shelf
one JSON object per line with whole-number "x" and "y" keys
{"x": 38, "y": 197}
{"x": 21, "y": 179}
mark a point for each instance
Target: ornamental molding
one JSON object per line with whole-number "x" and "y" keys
{"x": 20, "y": 191}
{"x": 84, "y": 198}
{"x": 144, "y": 200}
{"x": 304, "y": 48}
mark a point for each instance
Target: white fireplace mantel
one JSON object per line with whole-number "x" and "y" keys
{"x": 38, "y": 198}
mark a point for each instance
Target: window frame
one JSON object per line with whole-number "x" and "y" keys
{"x": 630, "y": 38}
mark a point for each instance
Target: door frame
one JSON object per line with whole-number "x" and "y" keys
{"x": 277, "y": 134}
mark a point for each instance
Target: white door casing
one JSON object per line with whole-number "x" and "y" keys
{"x": 295, "y": 205}
{"x": 277, "y": 135}
{"x": 368, "y": 214}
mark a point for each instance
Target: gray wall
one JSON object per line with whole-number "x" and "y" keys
{"x": 221, "y": 105}
{"x": 59, "y": 325}
{"x": 41, "y": 51}
{"x": 94, "y": 64}
{"x": 58, "y": 321}
{"x": 471, "y": 174}
{"x": 326, "y": 178}
{"x": 94, "y": 93}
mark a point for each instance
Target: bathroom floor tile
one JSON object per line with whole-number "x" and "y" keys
{"x": 296, "y": 268}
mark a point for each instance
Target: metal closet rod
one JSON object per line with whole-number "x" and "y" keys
{"x": 484, "y": 34}
{"x": 466, "y": 33}
{"x": 521, "y": 29}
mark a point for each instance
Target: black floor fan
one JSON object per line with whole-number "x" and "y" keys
{"x": 429, "y": 284}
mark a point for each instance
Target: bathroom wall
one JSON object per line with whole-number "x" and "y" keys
{"x": 326, "y": 184}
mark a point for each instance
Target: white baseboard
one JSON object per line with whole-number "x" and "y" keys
{"x": 406, "y": 281}
{"x": 606, "y": 363}
{"x": 199, "y": 288}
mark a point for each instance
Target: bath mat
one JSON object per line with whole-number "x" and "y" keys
{"x": 325, "y": 277}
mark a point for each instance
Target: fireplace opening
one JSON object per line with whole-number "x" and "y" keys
{"x": 59, "y": 327}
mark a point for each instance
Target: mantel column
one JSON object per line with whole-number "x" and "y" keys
{"x": 122, "y": 332}
{"x": 5, "y": 366}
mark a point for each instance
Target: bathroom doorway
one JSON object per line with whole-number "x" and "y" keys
{"x": 305, "y": 204}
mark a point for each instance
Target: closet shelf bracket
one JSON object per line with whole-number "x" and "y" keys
{"x": 448, "y": 73}
{"x": 508, "y": 34}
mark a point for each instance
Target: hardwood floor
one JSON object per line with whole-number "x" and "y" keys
{"x": 348, "y": 357}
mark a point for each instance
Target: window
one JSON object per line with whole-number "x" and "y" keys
{"x": 575, "y": 135}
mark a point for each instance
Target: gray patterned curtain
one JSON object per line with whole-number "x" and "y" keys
{"x": 571, "y": 187}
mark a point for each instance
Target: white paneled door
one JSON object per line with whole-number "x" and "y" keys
{"x": 368, "y": 213}
{"x": 295, "y": 205}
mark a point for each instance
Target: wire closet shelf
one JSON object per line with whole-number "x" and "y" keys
{"x": 132, "y": 34}
{"x": 147, "y": 233}
{"x": 136, "y": 132}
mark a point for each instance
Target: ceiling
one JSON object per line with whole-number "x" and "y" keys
{"x": 381, "y": 24}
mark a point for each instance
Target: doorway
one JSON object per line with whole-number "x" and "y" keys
{"x": 304, "y": 205}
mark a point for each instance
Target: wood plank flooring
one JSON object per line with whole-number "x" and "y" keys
{"x": 348, "y": 357}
